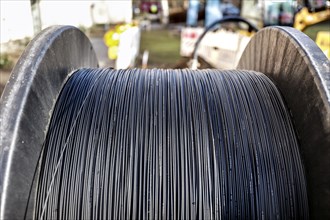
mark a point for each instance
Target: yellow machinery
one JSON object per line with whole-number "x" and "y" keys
{"x": 299, "y": 14}
{"x": 323, "y": 41}
{"x": 311, "y": 15}
{"x": 112, "y": 37}
{"x": 305, "y": 18}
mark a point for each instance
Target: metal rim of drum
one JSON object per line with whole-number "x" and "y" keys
{"x": 301, "y": 72}
{"x": 28, "y": 99}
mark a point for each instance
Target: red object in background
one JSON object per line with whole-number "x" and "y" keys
{"x": 191, "y": 35}
{"x": 146, "y": 7}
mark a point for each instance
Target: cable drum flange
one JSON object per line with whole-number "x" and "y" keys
{"x": 170, "y": 144}
{"x": 26, "y": 106}
{"x": 301, "y": 72}
{"x": 165, "y": 143}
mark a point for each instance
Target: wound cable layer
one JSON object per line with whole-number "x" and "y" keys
{"x": 170, "y": 144}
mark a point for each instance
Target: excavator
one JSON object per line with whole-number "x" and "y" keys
{"x": 297, "y": 13}
{"x": 309, "y": 16}
{"x": 313, "y": 13}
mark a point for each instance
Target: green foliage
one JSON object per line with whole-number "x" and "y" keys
{"x": 5, "y": 62}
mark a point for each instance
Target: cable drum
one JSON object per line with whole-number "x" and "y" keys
{"x": 170, "y": 144}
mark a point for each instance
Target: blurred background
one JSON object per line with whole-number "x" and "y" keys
{"x": 158, "y": 33}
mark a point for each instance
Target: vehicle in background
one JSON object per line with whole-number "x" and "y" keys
{"x": 297, "y": 13}
{"x": 314, "y": 12}
{"x": 300, "y": 14}
{"x": 223, "y": 48}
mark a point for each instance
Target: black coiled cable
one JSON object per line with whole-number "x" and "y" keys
{"x": 170, "y": 144}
